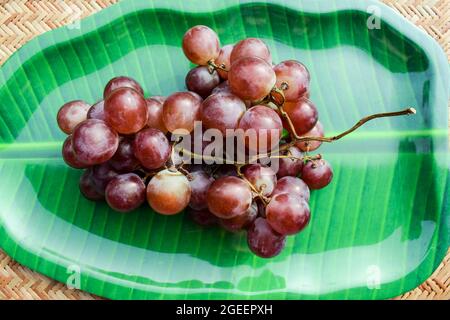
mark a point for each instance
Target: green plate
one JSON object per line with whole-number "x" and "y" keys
{"x": 381, "y": 227}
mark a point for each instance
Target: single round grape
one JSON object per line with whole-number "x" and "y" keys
{"x": 125, "y": 192}
{"x": 126, "y": 111}
{"x": 154, "y": 114}
{"x": 201, "y": 45}
{"x": 263, "y": 240}
{"x": 201, "y": 81}
{"x": 251, "y": 78}
{"x": 168, "y": 192}
{"x": 308, "y": 146}
{"x": 291, "y": 167}
{"x": 200, "y": 182}
{"x": 160, "y": 99}
{"x": 224, "y": 87}
{"x": 122, "y": 82}
{"x": 303, "y": 114}
{"x": 242, "y": 221}
{"x": 251, "y": 47}
{"x": 261, "y": 177}
{"x": 297, "y": 77}
{"x": 124, "y": 159}
{"x": 222, "y": 111}
{"x": 203, "y": 217}
{"x": 151, "y": 147}
{"x": 224, "y": 60}
{"x": 229, "y": 197}
{"x": 288, "y": 213}
{"x": 181, "y": 110}
{"x": 263, "y": 125}
{"x": 72, "y": 114}
{"x": 292, "y": 185}
{"x": 101, "y": 175}
{"x": 88, "y": 188}
{"x": 97, "y": 111}
{"x": 317, "y": 174}
{"x": 69, "y": 155}
{"x": 94, "y": 142}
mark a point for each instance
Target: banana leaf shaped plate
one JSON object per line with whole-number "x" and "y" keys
{"x": 380, "y": 229}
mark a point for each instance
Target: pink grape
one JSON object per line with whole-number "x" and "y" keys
{"x": 125, "y": 192}
{"x": 72, "y": 114}
{"x": 151, "y": 147}
{"x": 88, "y": 188}
{"x": 222, "y": 111}
{"x": 263, "y": 240}
{"x": 296, "y": 76}
{"x": 251, "y": 47}
{"x": 122, "y": 82}
{"x": 317, "y": 174}
{"x": 181, "y": 110}
{"x": 251, "y": 78}
{"x": 126, "y": 111}
{"x": 201, "y": 45}
{"x": 94, "y": 142}
{"x": 288, "y": 213}
{"x": 261, "y": 177}
{"x": 229, "y": 197}
{"x": 168, "y": 192}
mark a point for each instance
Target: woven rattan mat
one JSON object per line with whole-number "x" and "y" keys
{"x": 22, "y": 20}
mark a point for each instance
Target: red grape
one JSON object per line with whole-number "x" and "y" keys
{"x": 251, "y": 47}
{"x": 296, "y": 76}
{"x": 154, "y": 114}
{"x": 290, "y": 167}
{"x": 101, "y": 175}
{"x": 229, "y": 197}
{"x": 242, "y": 221}
{"x": 200, "y": 183}
{"x": 180, "y": 111}
{"x": 292, "y": 185}
{"x": 267, "y": 126}
{"x": 287, "y": 213}
{"x": 126, "y": 111}
{"x": 97, "y": 111}
{"x": 94, "y": 142}
{"x": 124, "y": 160}
{"x": 303, "y": 114}
{"x": 168, "y": 192}
{"x": 308, "y": 146}
{"x": 251, "y": 78}
{"x": 261, "y": 177}
{"x": 151, "y": 147}
{"x": 317, "y": 174}
{"x": 125, "y": 192}
{"x": 202, "y": 217}
{"x": 224, "y": 59}
{"x": 222, "y": 111}
{"x": 263, "y": 240}
{"x": 201, "y": 81}
{"x": 122, "y": 82}
{"x": 72, "y": 114}
{"x": 88, "y": 188}
{"x": 69, "y": 155}
{"x": 201, "y": 45}
{"x": 224, "y": 87}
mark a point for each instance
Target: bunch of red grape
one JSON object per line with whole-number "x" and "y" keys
{"x": 124, "y": 143}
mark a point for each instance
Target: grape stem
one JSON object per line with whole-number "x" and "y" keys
{"x": 213, "y": 66}
{"x": 263, "y": 198}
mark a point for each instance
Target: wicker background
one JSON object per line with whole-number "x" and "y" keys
{"x": 22, "y": 20}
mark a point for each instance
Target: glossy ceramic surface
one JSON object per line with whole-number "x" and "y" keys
{"x": 380, "y": 228}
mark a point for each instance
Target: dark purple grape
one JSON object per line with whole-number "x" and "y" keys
{"x": 317, "y": 174}
{"x": 69, "y": 155}
{"x": 203, "y": 217}
{"x": 263, "y": 240}
{"x": 292, "y": 185}
{"x": 122, "y": 82}
{"x": 124, "y": 160}
{"x": 125, "y": 192}
{"x": 242, "y": 221}
{"x": 288, "y": 213}
{"x": 291, "y": 167}
{"x": 102, "y": 175}
{"x": 200, "y": 182}
{"x": 88, "y": 188}
{"x": 201, "y": 81}
{"x": 261, "y": 177}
